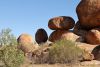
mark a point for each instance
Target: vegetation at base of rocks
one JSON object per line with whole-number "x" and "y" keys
{"x": 62, "y": 51}
{"x": 65, "y": 51}
{"x": 10, "y": 55}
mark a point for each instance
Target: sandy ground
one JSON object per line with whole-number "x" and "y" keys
{"x": 60, "y": 65}
{"x": 93, "y": 63}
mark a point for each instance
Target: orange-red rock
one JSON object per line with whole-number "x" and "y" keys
{"x": 25, "y": 39}
{"x": 62, "y": 34}
{"x": 93, "y": 36}
{"x": 89, "y": 13}
{"x": 41, "y": 36}
{"x": 62, "y": 22}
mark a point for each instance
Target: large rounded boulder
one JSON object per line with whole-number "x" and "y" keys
{"x": 93, "y": 36}
{"x": 41, "y": 36}
{"x": 26, "y": 43}
{"x": 63, "y": 34}
{"x": 89, "y": 13}
{"x": 25, "y": 39}
{"x": 62, "y": 22}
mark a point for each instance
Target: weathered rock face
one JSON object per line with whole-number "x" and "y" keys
{"x": 41, "y": 36}
{"x": 86, "y": 47}
{"x": 93, "y": 36}
{"x": 89, "y": 13}
{"x": 63, "y": 34}
{"x": 79, "y": 30}
{"x": 61, "y": 22}
{"x": 96, "y": 53}
{"x": 26, "y": 43}
{"x": 87, "y": 56}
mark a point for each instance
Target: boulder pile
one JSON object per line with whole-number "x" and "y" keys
{"x": 88, "y": 25}
{"x": 88, "y": 12}
{"x": 86, "y": 31}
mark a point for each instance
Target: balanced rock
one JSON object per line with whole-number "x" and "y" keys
{"x": 63, "y": 34}
{"x": 41, "y": 36}
{"x": 93, "y": 36}
{"x": 62, "y": 22}
{"x": 89, "y": 13}
{"x": 26, "y": 43}
{"x": 96, "y": 53}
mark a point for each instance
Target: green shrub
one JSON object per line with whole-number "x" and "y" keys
{"x": 11, "y": 56}
{"x": 7, "y": 38}
{"x": 64, "y": 51}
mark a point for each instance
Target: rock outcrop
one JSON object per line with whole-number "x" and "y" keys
{"x": 62, "y": 22}
{"x": 89, "y": 13}
{"x": 41, "y": 36}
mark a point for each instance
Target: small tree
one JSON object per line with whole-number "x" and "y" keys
{"x": 6, "y": 38}
{"x": 11, "y": 56}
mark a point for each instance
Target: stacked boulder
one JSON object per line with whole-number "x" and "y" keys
{"x": 88, "y": 26}
{"x": 61, "y": 25}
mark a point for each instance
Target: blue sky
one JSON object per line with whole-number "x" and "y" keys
{"x": 26, "y": 16}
